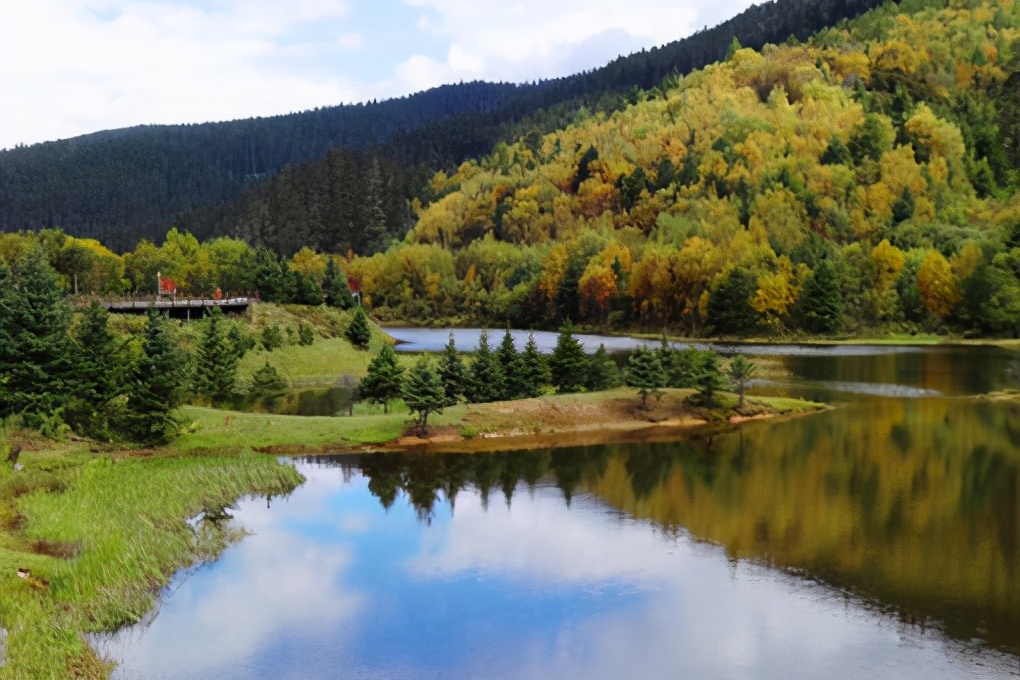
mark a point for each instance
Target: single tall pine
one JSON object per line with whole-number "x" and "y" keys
{"x": 267, "y": 385}
{"x": 336, "y": 287}
{"x": 509, "y": 361}
{"x": 534, "y": 369}
{"x": 644, "y": 371}
{"x": 603, "y": 373}
{"x": 486, "y": 381}
{"x": 99, "y": 375}
{"x": 729, "y": 306}
{"x": 453, "y": 372}
{"x": 423, "y": 392}
{"x": 820, "y": 306}
{"x": 569, "y": 362}
{"x": 158, "y": 385}
{"x": 35, "y": 349}
{"x": 358, "y": 331}
{"x": 710, "y": 379}
{"x": 216, "y": 371}
{"x": 384, "y": 380}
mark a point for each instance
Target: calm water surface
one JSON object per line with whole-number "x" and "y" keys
{"x": 825, "y": 372}
{"x": 879, "y": 540}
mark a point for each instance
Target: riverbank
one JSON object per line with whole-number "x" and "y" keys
{"x": 89, "y": 540}
{"x": 555, "y": 420}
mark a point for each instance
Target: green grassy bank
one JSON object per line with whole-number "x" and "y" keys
{"x": 614, "y": 410}
{"x": 96, "y": 537}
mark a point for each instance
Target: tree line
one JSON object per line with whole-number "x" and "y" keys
{"x": 506, "y": 374}
{"x": 61, "y": 371}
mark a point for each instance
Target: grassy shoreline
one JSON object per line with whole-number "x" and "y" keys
{"x": 90, "y": 534}
{"x": 88, "y": 541}
{"x": 593, "y": 418}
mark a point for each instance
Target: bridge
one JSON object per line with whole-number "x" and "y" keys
{"x": 178, "y": 308}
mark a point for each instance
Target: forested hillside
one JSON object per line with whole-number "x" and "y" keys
{"x": 866, "y": 179}
{"x": 121, "y": 185}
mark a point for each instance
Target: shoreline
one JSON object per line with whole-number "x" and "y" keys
{"x": 551, "y": 421}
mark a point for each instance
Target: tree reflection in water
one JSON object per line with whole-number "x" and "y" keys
{"x": 910, "y": 504}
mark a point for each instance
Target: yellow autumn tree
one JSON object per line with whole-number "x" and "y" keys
{"x": 937, "y": 285}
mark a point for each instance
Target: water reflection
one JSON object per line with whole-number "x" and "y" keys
{"x": 880, "y": 540}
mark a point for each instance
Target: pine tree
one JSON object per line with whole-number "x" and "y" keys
{"x": 734, "y": 47}
{"x": 740, "y": 372}
{"x": 306, "y": 290}
{"x": 569, "y": 362}
{"x": 306, "y": 336}
{"x": 267, "y": 385}
{"x": 486, "y": 381}
{"x": 603, "y": 373}
{"x": 534, "y": 369}
{"x": 35, "y": 349}
{"x": 158, "y": 386}
{"x": 423, "y": 392}
{"x": 836, "y": 153}
{"x": 99, "y": 375}
{"x": 820, "y": 306}
{"x": 272, "y": 338}
{"x": 336, "y": 287}
{"x": 509, "y": 361}
{"x": 644, "y": 371}
{"x": 216, "y": 371}
{"x": 239, "y": 341}
{"x": 687, "y": 365}
{"x": 270, "y": 276}
{"x": 710, "y": 379}
{"x": 384, "y": 379}
{"x": 729, "y": 306}
{"x": 667, "y": 357}
{"x": 453, "y": 373}
{"x": 358, "y": 331}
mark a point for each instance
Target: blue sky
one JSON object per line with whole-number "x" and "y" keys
{"x": 69, "y": 67}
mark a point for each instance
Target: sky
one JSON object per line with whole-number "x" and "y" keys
{"x": 69, "y": 67}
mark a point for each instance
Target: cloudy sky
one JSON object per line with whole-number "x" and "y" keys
{"x": 69, "y": 67}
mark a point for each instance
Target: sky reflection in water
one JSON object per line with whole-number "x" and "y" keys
{"x": 330, "y": 584}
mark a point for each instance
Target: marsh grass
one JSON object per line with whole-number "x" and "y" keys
{"x": 214, "y": 429}
{"x": 100, "y": 538}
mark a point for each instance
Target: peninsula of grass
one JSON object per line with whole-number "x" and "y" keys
{"x": 600, "y": 416}
{"x": 88, "y": 541}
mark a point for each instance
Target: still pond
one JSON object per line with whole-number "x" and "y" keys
{"x": 877, "y": 540}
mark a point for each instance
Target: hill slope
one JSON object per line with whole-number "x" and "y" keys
{"x": 864, "y": 179}
{"x": 123, "y": 184}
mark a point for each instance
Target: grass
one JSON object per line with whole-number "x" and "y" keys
{"x": 213, "y": 429}
{"x": 319, "y": 364}
{"x": 100, "y": 536}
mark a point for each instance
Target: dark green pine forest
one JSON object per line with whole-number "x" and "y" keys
{"x": 340, "y": 177}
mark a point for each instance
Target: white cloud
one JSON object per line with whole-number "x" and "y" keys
{"x": 350, "y": 41}
{"x": 69, "y": 67}
{"x": 527, "y": 39}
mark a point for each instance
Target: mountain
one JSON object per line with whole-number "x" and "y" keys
{"x": 121, "y": 185}
{"x": 864, "y": 180}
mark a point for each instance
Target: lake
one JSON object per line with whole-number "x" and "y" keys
{"x": 877, "y": 540}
